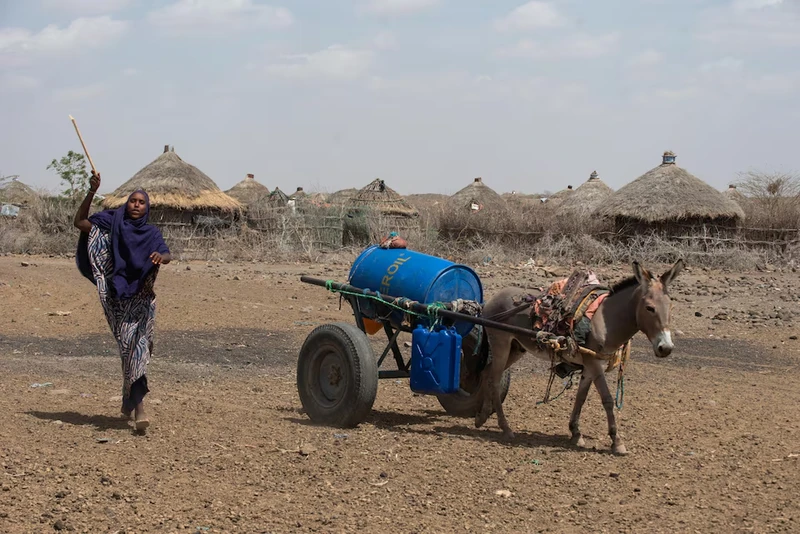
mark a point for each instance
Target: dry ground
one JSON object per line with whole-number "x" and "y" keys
{"x": 713, "y": 430}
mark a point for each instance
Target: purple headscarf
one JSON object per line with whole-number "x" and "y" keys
{"x": 132, "y": 241}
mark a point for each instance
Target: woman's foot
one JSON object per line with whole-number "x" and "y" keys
{"x": 140, "y": 418}
{"x": 126, "y": 413}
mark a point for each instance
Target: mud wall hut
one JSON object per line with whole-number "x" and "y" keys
{"x": 670, "y": 201}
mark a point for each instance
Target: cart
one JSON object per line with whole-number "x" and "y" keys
{"x": 337, "y": 371}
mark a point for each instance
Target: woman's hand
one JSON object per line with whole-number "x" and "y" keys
{"x": 157, "y": 258}
{"x": 94, "y": 182}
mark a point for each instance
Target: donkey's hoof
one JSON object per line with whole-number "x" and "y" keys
{"x": 578, "y": 441}
{"x": 508, "y": 435}
{"x": 619, "y": 449}
{"x": 480, "y": 419}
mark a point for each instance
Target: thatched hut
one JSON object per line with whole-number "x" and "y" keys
{"x": 586, "y": 199}
{"x": 278, "y": 198}
{"x": 478, "y": 197}
{"x": 179, "y": 192}
{"x": 376, "y": 210}
{"x": 342, "y": 197}
{"x": 559, "y": 196}
{"x": 298, "y": 194}
{"x": 249, "y": 191}
{"x": 735, "y": 195}
{"x": 17, "y": 193}
{"x": 670, "y": 201}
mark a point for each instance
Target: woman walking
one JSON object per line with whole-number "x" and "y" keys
{"x": 121, "y": 254}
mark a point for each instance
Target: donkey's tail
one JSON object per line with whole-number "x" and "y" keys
{"x": 482, "y": 349}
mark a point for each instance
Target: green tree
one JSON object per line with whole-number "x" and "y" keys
{"x": 72, "y": 170}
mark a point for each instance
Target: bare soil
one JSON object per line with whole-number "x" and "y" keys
{"x": 713, "y": 430}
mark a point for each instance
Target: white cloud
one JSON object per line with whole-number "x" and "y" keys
{"x": 17, "y": 45}
{"x": 224, "y": 15}
{"x": 399, "y": 7}
{"x": 385, "y": 41}
{"x": 774, "y": 85}
{"x": 18, "y": 82}
{"x": 82, "y": 92}
{"x": 775, "y": 27}
{"x": 576, "y": 47}
{"x": 726, "y": 64}
{"x": 86, "y": 7}
{"x": 742, "y": 6}
{"x": 646, "y": 58}
{"x": 530, "y": 16}
{"x": 335, "y": 62}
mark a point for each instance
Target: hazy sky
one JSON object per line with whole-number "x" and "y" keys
{"x": 426, "y": 94}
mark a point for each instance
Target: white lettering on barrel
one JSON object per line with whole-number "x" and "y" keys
{"x": 390, "y": 272}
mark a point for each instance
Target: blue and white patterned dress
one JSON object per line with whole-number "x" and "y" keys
{"x": 131, "y": 320}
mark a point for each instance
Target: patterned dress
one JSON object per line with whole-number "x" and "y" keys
{"x": 131, "y": 320}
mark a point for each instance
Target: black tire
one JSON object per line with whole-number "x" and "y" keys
{"x": 459, "y": 405}
{"x": 337, "y": 375}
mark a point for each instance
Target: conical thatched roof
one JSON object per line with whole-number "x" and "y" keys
{"x": 299, "y": 194}
{"x": 669, "y": 193}
{"x": 17, "y": 193}
{"x": 342, "y": 197}
{"x": 380, "y": 197}
{"x": 249, "y": 191}
{"x": 278, "y": 197}
{"x": 733, "y": 194}
{"x": 560, "y": 196}
{"x": 478, "y": 194}
{"x": 586, "y": 198}
{"x": 170, "y": 182}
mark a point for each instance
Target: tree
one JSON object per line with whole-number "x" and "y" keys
{"x": 72, "y": 170}
{"x": 773, "y": 198}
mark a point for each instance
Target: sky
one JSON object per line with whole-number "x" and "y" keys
{"x": 426, "y": 94}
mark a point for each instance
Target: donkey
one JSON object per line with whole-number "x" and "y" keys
{"x": 639, "y": 303}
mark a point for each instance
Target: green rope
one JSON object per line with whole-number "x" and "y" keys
{"x": 566, "y": 387}
{"x": 620, "y": 397}
{"x": 435, "y": 306}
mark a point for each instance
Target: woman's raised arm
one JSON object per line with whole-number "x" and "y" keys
{"x": 82, "y": 222}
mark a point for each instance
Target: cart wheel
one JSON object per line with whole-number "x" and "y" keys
{"x": 337, "y": 375}
{"x": 459, "y": 405}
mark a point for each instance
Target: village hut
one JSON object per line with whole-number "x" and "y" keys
{"x": 17, "y": 193}
{"x": 559, "y": 196}
{"x": 731, "y": 193}
{"x": 478, "y": 197}
{"x": 298, "y": 194}
{"x": 249, "y": 191}
{"x": 278, "y": 198}
{"x": 670, "y": 201}
{"x": 342, "y": 197}
{"x": 179, "y": 193}
{"x": 586, "y": 199}
{"x": 375, "y": 211}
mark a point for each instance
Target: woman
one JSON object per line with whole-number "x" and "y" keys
{"x": 120, "y": 253}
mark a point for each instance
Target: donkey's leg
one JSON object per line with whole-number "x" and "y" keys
{"x": 617, "y": 447}
{"x": 580, "y": 399}
{"x": 491, "y": 376}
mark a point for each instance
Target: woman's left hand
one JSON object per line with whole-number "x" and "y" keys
{"x": 156, "y": 258}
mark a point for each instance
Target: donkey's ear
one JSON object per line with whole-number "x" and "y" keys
{"x": 670, "y": 275}
{"x": 642, "y": 275}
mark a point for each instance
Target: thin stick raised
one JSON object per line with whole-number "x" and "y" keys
{"x": 75, "y": 124}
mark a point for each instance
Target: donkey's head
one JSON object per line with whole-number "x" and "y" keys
{"x": 653, "y": 306}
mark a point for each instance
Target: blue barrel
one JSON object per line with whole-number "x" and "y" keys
{"x": 415, "y": 276}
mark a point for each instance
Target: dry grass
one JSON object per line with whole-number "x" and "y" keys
{"x": 312, "y": 233}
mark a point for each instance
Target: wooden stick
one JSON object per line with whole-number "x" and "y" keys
{"x": 82, "y": 143}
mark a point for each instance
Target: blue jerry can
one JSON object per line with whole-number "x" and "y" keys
{"x": 435, "y": 360}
